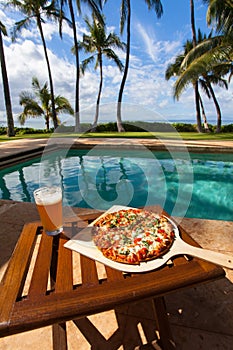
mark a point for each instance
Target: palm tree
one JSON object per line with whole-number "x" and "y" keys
{"x": 221, "y": 13}
{"x": 99, "y": 44}
{"x": 39, "y": 103}
{"x": 216, "y": 50}
{"x": 215, "y": 53}
{"x": 174, "y": 70}
{"x": 205, "y": 80}
{"x": 126, "y": 16}
{"x": 94, "y": 6}
{"x": 10, "y": 120}
{"x": 214, "y": 77}
{"x": 35, "y": 10}
{"x": 206, "y": 126}
{"x": 195, "y": 82}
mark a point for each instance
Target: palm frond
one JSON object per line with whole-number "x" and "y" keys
{"x": 221, "y": 13}
{"x": 156, "y": 5}
{"x": 114, "y": 41}
{"x": 3, "y": 29}
{"x": 23, "y": 24}
{"x": 201, "y": 49}
{"x": 123, "y": 16}
{"x": 204, "y": 87}
{"x": 173, "y": 69}
{"x": 35, "y": 83}
{"x": 25, "y": 97}
{"x": 111, "y": 55}
{"x": 22, "y": 118}
{"x": 31, "y": 106}
{"x": 85, "y": 63}
{"x": 95, "y": 7}
{"x": 63, "y": 105}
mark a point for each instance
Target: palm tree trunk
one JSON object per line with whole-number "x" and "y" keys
{"x": 54, "y": 114}
{"x": 10, "y": 120}
{"x": 206, "y": 127}
{"x": 196, "y": 92}
{"x": 77, "y": 112}
{"x": 5, "y": 191}
{"x": 197, "y": 104}
{"x": 218, "y": 110}
{"x": 47, "y": 121}
{"x": 94, "y": 125}
{"x": 193, "y": 23}
{"x": 119, "y": 119}
{"x": 24, "y": 185}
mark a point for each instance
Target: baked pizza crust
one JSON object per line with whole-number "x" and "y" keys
{"x": 132, "y": 236}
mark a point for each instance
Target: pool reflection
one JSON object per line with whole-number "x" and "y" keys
{"x": 100, "y": 182}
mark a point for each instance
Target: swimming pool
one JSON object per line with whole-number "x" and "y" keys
{"x": 200, "y": 186}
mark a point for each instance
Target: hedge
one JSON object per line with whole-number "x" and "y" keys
{"x": 128, "y": 126}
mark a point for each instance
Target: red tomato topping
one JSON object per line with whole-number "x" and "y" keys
{"x": 161, "y": 230}
{"x": 137, "y": 240}
{"x": 142, "y": 253}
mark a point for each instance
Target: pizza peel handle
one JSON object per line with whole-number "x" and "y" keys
{"x": 182, "y": 247}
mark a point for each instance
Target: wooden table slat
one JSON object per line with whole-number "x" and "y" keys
{"x": 64, "y": 279}
{"x": 88, "y": 271}
{"x": 113, "y": 275}
{"x": 39, "y": 280}
{"x": 15, "y": 274}
{"x": 97, "y": 298}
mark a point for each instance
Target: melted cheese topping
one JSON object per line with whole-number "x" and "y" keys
{"x": 134, "y": 233}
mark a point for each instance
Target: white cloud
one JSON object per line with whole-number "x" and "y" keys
{"x": 158, "y": 51}
{"x": 148, "y": 41}
{"x": 145, "y": 85}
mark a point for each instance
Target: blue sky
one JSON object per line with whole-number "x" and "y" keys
{"x": 154, "y": 44}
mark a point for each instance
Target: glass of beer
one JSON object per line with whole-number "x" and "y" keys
{"x": 49, "y": 204}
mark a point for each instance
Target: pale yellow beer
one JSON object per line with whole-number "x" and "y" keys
{"x": 49, "y": 204}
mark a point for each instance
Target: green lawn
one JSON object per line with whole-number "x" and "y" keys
{"x": 161, "y": 135}
{"x": 165, "y": 135}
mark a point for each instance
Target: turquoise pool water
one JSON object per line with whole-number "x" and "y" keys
{"x": 200, "y": 185}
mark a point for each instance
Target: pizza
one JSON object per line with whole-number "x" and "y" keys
{"x": 133, "y": 236}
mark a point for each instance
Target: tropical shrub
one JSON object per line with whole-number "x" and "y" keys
{"x": 184, "y": 127}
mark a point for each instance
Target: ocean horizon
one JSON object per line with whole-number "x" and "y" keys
{"x": 39, "y": 123}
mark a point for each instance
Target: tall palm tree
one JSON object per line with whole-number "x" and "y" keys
{"x": 174, "y": 70}
{"x": 94, "y": 6}
{"x": 99, "y": 44}
{"x": 206, "y": 80}
{"x": 206, "y": 126}
{"x": 39, "y": 103}
{"x": 36, "y": 10}
{"x": 195, "y": 82}
{"x": 218, "y": 49}
{"x": 215, "y": 53}
{"x": 126, "y": 17}
{"x": 209, "y": 78}
{"x": 10, "y": 120}
{"x": 220, "y": 13}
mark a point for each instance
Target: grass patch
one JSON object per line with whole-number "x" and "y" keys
{"x": 4, "y": 138}
{"x": 162, "y": 135}
{"x": 147, "y": 135}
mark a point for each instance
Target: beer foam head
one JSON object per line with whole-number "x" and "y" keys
{"x": 47, "y": 195}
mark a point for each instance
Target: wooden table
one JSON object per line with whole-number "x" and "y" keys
{"x": 46, "y": 268}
